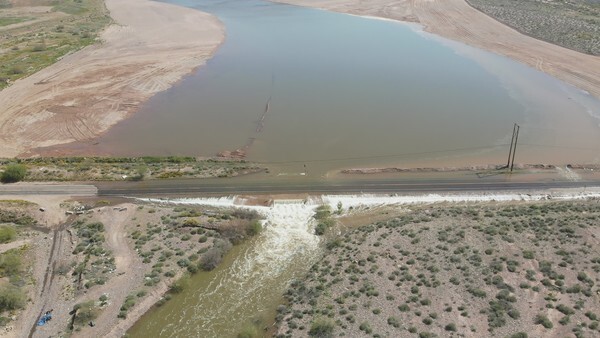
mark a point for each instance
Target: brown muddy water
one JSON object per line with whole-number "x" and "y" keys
{"x": 304, "y": 90}
{"x": 248, "y": 285}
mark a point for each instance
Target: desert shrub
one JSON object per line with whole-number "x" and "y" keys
{"x": 565, "y": 309}
{"x": 39, "y": 48}
{"x": 364, "y": 326}
{"x": 86, "y": 312}
{"x": 13, "y": 173}
{"x": 10, "y": 263}
{"x": 322, "y": 212}
{"x": 214, "y": 255}
{"x": 321, "y": 328}
{"x": 477, "y": 292}
{"x": 190, "y": 222}
{"x": 393, "y": 321}
{"x": 7, "y": 233}
{"x": 564, "y": 320}
{"x": 450, "y": 327}
{"x": 528, "y": 254}
{"x": 179, "y": 285}
{"x": 16, "y": 70}
{"x": 519, "y": 335}
{"x": 11, "y": 298}
{"x": 543, "y": 320}
{"x": 254, "y": 228}
{"x": 192, "y": 268}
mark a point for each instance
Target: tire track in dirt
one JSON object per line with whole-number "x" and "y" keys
{"x": 151, "y": 47}
{"x": 44, "y": 298}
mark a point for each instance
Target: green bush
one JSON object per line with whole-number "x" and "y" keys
{"x": 519, "y": 335}
{"x": 322, "y": 328}
{"x": 7, "y": 234}
{"x": 450, "y": 327}
{"x": 10, "y": 263}
{"x": 180, "y": 285}
{"x": 13, "y": 173}
{"x": 543, "y": 320}
{"x": 11, "y": 298}
{"x": 86, "y": 312}
{"x": 254, "y": 228}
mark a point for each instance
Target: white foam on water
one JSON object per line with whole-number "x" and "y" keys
{"x": 381, "y": 200}
{"x": 284, "y": 250}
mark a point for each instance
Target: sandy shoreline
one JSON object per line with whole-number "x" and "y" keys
{"x": 151, "y": 46}
{"x": 457, "y": 20}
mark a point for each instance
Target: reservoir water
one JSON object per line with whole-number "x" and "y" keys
{"x": 295, "y": 87}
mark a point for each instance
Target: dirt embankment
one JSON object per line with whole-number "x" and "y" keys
{"x": 151, "y": 46}
{"x": 456, "y": 20}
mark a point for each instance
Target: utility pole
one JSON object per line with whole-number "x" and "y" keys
{"x": 515, "y": 148}
{"x": 512, "y": 140}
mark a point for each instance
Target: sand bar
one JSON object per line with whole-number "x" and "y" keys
{"x": 456, "y": 20}
{"x": 151, "y": 46}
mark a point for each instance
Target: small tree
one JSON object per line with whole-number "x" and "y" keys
{"x": 13, "y": 173}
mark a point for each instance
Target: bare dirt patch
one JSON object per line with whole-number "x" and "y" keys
{"x": 151, "y": 46}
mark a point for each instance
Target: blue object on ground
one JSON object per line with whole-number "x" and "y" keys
{"x": 45, "y": 318}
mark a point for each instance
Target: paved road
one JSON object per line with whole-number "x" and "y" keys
{"x": 226, "y": 187}
{"x": 48, "y": 189}
{"x": 236, "y": 187}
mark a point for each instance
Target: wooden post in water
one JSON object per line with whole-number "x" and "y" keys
{"x": 515, "y": 149}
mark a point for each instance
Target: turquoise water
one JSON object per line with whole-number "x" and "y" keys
{"x": 348, "y": 91}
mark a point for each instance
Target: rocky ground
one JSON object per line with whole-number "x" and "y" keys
{"x": 493, "y": 270}
{"x": 572, "y": 24}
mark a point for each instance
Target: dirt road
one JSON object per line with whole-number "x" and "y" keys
{"x": 456, "y": 20}
{"x": 151, "y": 46}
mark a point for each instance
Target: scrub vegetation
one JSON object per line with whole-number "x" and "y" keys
{"x": 178, "y": 242}
{"x": 493, "y": 269}
{"x": 15, "y": 262}
{"x": 572, "y": 24}
{"x": 13, "y": 173}
{"x": 120, "y": 168}
{"x": 37, "y": 33}
{"x": 109, "y": 261}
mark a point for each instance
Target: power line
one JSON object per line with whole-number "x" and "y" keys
{"x": 557, "y": 146}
